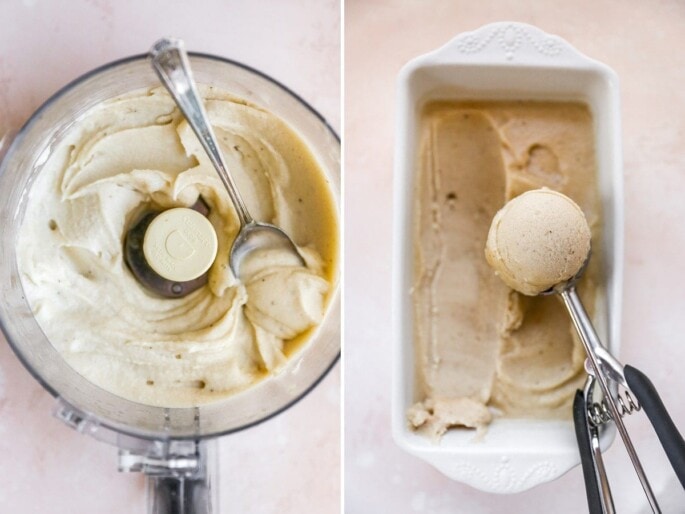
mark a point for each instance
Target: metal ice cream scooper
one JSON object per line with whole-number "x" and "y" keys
{"x": 539, "y": 243}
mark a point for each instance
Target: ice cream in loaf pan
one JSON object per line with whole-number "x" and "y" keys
{"x": 480, "y": 347}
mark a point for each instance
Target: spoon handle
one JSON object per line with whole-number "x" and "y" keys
{"x": 170, "y": 61}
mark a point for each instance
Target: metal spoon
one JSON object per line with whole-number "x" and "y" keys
{"x": 170, "y": 61}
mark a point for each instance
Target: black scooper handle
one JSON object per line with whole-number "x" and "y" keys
{"x": 580, "y": 421}
{"x": 665, "y": 429}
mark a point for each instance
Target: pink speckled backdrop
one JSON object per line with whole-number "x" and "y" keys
{"x": 643, "y": 41}
{"x": 290, "y": 464}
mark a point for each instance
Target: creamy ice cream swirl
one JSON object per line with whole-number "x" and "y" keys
{"x": 134, "y": 154}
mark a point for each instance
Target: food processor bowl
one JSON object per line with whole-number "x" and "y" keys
{"x": 153, "y": 439}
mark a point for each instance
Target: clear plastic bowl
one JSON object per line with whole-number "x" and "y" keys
{"x": 104, "y": 412}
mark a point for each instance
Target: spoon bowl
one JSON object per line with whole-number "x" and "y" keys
{"x": 256, "y": 237}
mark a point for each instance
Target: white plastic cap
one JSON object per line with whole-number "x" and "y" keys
{"x": 180, "y": 244}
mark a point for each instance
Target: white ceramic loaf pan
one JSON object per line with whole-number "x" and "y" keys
{"x": 502, "y": 61}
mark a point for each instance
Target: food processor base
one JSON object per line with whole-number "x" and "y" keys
{"x": 181, "y": 473}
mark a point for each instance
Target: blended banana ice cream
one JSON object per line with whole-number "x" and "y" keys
{"x": 481, "y": 348}
{"x": 136, "y": 154}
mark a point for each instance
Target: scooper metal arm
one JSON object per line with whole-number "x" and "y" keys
{"x": 597, "y": 488}
{"x": 603, "y": 367}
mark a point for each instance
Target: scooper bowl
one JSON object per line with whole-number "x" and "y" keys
{"x": 168, "y": 444}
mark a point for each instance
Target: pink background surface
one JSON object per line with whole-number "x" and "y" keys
{"x": 643, "y": 42}
{"x": 289, "y": 464}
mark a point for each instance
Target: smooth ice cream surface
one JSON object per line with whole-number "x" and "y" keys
{"x": 538, "y": 240}
{"x": 478, "y": 342}
{"x": 136, "y": 153}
